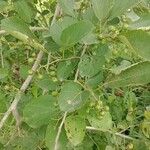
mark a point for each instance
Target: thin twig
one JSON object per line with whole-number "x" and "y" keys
{"x": 31, "y": 28}
{"x": 59, "y": 131}
{"x": 117, "y": 134}
{"x": 25, "y": 85}
{"x": 77, "y": 72}
{"x": 20, "y": 92}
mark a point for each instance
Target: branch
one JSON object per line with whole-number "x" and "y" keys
{"x": 117, "y": 134}
{"x": 31, "y": 28}
{"x": 64, "y": 117}
{"x": 59, "y": 132}
{"x": 26, "y": 83}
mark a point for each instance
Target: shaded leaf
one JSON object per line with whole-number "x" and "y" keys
{"x": 3, "y": 73}
{"x": 47, "y": 84}
{"x": 139, "y": 40}
{"x": 24, "y": 10}
{"x": 101, "y": 8}
{"x": 39, "y": 111}
{"x": 57, "y": 28}
{"x": 75, "y": 32}
{"x": 120, "y": 7}
{"x": 68, "y": 6}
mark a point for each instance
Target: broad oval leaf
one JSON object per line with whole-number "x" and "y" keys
{"x": 39, "y": 111}
{"x": 75, "y": 129}
{"x": 137, "y": 74}
{"x": 101, "y": 8}
{"x": 140, "y": 42}
{"x": 121, "y": 6}
{"x": 71, "y": 97}
{"x": 75, "y": 32}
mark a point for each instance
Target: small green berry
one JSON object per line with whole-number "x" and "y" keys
{"x": 52, "y": 68}
{"x": 30, "y": 72}
{"x": 6, "y": 87}
{"x": 55, "y": 93}
{"x": 54, "y": 79}
{"x": 30, "y": 60}
{"x": 33, "y": 54}
{"x": 103, "y": 113}
{"x": 40, "y": 76}
{"x": 106, "y": 108}
{"x": 130, "y": 146}
{"x": 52, "y": 73}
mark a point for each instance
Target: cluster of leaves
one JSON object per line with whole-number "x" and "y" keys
{"x": 96, "y": 68}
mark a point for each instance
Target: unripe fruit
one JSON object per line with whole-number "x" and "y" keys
{"x": 112, "y": 28}
{"x": 130, "y": 146}
{"x": 6, "y": 87}
{"x": 33, "y": 54}
{"x": 30, "y": 72}
{"x": 103, "y": 113}
{"x": 40, "y": 76}
{"x": 54, "y": 79}
{"x": 55, "y": 93}
{"x": 30, "y": 60}
{"x": 106, "y": 108}
{"x": 52, "y": 73}
{"x": 52, "y": 68}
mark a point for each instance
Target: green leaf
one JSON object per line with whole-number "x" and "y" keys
{"x": 89, "y": 15}
{"x": 3, "y": 73}
{"x": 57, "y": 28}
{"x": 86, "y": 64}
{"x": 65, "y": 69}
{"x": 90, "y": 39}
{"x": 120, "y": 7}
{"x": 47, "y": 84}
{"x": 93, "y": 82}
{"x": 139, "y": 41}
{"x": 143, "y": 22}
{"x": 105, "y": 123}
{"x": 39, "y": 111}
{"x": 51, "y": 133}
{"x": 68, "y": 6}
{"x": 71, "y": 97}
{"x": 3, "y": 5}
{"x": 24, "y": 10}
{"x": 3, "y": 107}
{"x": 15, "y": 24}
{"x": 75, "y": 129}
{"x": 101, "y": 8}
{"x": 137, "y": 74}
{"x": 75, "y": 32}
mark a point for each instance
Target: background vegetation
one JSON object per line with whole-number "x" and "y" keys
{"x": 74, "y": 74}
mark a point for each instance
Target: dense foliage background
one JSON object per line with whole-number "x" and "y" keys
{"x": 90, "y": 64}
